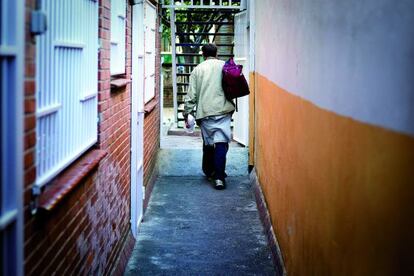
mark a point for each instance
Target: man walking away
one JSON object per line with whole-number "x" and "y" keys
{"x": 213, "y": 113}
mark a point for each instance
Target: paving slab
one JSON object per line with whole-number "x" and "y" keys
{"x": 187, "y": 162}
{"x": 190, "y": 228}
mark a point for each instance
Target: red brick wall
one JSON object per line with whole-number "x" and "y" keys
{"x": 30, "y": 243}
{"x": 31, "y": 240}
{"x": 152, "y": 124}
{"x": 114, "y": 137}
{"x": 29, "y": 109}
{"x": 84, "y": 234}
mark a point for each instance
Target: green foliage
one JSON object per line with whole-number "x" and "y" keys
{"x": 210, "y": 20}
{"x": 208, "y": 16}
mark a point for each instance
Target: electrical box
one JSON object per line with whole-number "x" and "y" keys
{"x": 38, "y": 22}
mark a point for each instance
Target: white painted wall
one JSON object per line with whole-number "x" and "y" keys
{"x": 353, "y": 57}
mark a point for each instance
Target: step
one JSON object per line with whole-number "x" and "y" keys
{"x": 201, "y": 44}
{"x": 199, "y": 55}
{"x": 236, "y": 10}
{"x": 180, "y": 131}
{"x": 187, "y": 64}
{"x": 204, "y": 23}
{"x": 203, "y": 33}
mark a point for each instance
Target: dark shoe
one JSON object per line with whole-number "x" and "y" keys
{"x": 210, "y": 177}
{"x": 219, "y": 184}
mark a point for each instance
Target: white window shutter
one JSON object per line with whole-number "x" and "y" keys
{"x": 67, "y": 64}
{"x": 118, "y": 19}
{"x": 149, "y": 48}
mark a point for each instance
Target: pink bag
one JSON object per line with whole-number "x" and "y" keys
{"x": 234, "y": 83}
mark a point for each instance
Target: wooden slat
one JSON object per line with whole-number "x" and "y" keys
{"x": 234, "y": 9}
{"x": 7, "y": 51}
{"x": 199, "y": 55}
{"x": 187, "y": 64}
{"x": 201, "y": 44}
{"x": 202, "y": 33}
{"x": 204, "y": 23}
{"x": 215, "y": 10}
{"x": 8, "y": 218}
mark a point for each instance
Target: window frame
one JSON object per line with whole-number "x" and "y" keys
{"x": 149, "y": 53}
{"x": 118, "y": 37}
{"x": 70, "y": 94}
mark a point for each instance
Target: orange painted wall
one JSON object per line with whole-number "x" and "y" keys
{"x": 340, "y": 192}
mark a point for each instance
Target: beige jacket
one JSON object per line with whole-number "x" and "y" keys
{"x": 205, "y": 91}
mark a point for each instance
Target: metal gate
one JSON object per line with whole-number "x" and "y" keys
{"x": 186, "y": 55}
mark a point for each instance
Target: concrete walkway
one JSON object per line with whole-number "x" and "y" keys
{"x": 190, "y": 228}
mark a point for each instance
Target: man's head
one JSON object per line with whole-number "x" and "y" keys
{"x": 209, "y": 50}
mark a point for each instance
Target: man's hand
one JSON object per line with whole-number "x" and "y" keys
{"x": 186, "y": 120}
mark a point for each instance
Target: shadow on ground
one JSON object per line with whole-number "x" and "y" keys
{"x": 191, "y": 229}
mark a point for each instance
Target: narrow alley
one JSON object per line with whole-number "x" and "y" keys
{"x": 102, "y": 172}
{"x": 190, "y": 228}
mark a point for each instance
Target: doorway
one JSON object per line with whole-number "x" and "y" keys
{"x": 137, "y": 117}
{"x": 241, "y": 54}
{"x": 181, "y": 41}
{"x": 186, "y": 28}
